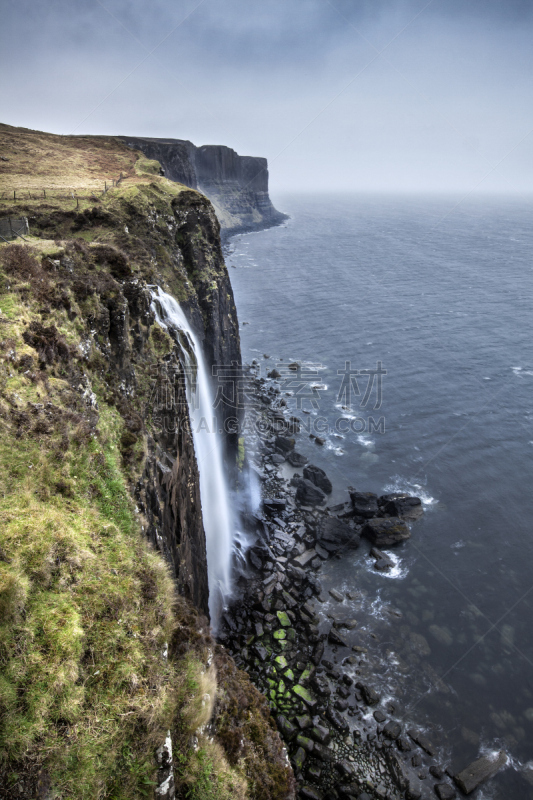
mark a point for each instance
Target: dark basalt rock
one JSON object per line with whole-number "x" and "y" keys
{"x": 365, "y": 504}
{"x": 397, "y": 769}
{"x": 299, "y": 759}
{"x": 479, "y": 771}
{"x": 334, "y": 637}
{"x": 305, "y": 742}
{"x": 308, "y": 494}
{"x": 422, "y": 741}
{"x": 370, "y": 696}
{"x": 392, "y": 730}
{"x": 321, "y": 734}
{"x": 345, "y": 768}
{"x": 317, "y": 654}
{"x": 261, "y": 652}
{"x": 255, "y": 560}
{"x": 319, "y": 478}
{"x": 350, "y": 791}
{"x": 386, "y": 531}
{"x": 437, "y": 772}
{"x": 284, "y": 444}
{"x": 404, "y": 744}
{"x": 274, "y": 505}
{"x": 324, "y": 753}
{"x": 445, "y": 792}
{"x": 286, "y": 728}
{"x": 337, "y": 720}
{"x": 401, "y": 505}
{"x": 296, "y": 459}
{"x": 320, "y": 685}
{"x": 310, "y": 793}
{"x": 334, "y": 533}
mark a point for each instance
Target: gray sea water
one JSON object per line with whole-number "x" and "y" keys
{"x": 439, "y": 292}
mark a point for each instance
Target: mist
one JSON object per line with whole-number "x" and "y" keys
{"x": 362, "y": 96}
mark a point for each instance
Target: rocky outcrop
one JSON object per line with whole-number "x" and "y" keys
{"x": 182, "y": 239}
{"x": 100, "y": 397}
{"x": 236, "y": 185}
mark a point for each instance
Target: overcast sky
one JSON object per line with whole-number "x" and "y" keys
{"x": 384, "y": 95}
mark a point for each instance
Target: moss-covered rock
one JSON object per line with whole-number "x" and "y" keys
{"x": 283, "y": 619}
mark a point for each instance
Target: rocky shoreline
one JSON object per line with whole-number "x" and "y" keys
{"x": 344, "y": 736}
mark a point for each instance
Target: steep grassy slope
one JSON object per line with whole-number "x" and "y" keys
{"x": 99, "y": 656}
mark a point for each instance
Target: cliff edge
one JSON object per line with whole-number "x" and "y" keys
{"x": 236, "y": 185}
{"x": 106, "y": 661}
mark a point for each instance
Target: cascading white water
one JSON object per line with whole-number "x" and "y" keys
{"x": 216, "y": 511}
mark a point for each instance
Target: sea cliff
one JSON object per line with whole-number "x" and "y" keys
{"x": 106, "y": 661}
{"x": 236, "y": 185}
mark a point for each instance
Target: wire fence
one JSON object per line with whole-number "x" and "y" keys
{"x": 59, "y": 193}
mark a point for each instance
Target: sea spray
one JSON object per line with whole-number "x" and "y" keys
{"x": 216, "y": 510}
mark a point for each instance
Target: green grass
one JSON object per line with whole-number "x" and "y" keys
{"x": 87, "y": 608}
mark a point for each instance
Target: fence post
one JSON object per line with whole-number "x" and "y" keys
{"x": 14, "y": 194}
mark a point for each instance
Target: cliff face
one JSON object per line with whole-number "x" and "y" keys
{"x": 236, "y": 185}
{"x": 98, "y": 656}
{"x": 175, "y": 244}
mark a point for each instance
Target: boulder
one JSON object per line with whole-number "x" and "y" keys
{"x": 345, "y": 768}
{"x": 335, "y": 638}
{"x": 336, "y": 720}
{"x": 296, "y": 459}
{"x": 304, "y": 742}
{"x": 479, "y": 771}
{"x": 284, "y": 444}
{"x": 401, "y": 505}
{"x": 304, "y": 559}
{"x": 370, "y": 696}
{"x": 445, "y": 792}
{"x": 332, "y": 533}
{"x": 321, "y": 734}
{"x": 274, "y": 505}
{"x": 286, "y": 728}
{"x": 386, "y": 531}
{"x": 318, "y": 652}
{"x": 308, "y": 494}
{"x": 323, "y": 753}
{"x": 321, "y": 685}
{"x": 299, "y": 758}
{"x": 422, "y": 741}
{"x": 365, "y": 504}
{"x": 392, "y": 730}
{"x": 318, "y": 477}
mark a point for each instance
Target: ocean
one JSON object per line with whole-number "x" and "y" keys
{"x": 412, "y": 320}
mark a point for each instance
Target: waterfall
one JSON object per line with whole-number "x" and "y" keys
{"x": 216, "y": 510}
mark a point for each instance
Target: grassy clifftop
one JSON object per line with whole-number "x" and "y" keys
{"x": 99, "y": 656}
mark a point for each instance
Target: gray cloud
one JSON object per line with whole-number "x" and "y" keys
{"x": 300, "y": 82}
